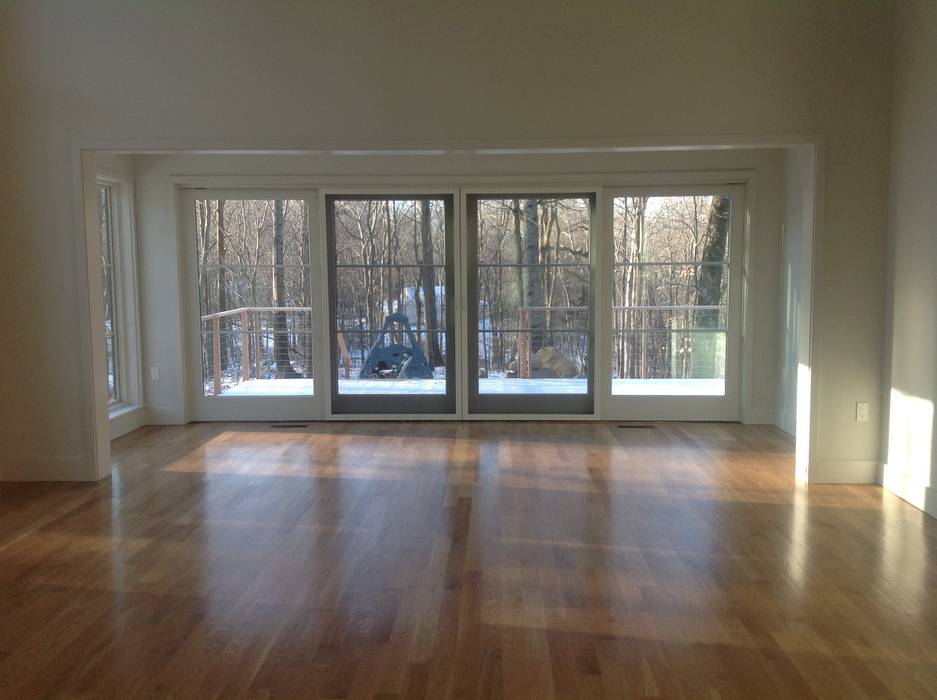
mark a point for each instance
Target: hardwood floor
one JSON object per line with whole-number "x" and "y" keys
{"x": 437, "y": 560}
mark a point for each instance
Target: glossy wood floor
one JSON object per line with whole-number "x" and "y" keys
{"x": 432, "y": 560}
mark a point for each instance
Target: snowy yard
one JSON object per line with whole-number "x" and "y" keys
{"x": 492, "y": 385}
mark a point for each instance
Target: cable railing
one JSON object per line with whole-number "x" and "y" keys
{"x": 249, "y": 318}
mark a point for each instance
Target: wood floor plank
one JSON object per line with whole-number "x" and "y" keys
{"x": 483, "y": 560}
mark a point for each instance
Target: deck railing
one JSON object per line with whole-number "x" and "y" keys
{"x": 245, "y": 314}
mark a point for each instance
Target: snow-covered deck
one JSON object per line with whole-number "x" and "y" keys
{"x": 668, "y": 387}
{"x": 492, "y": 385}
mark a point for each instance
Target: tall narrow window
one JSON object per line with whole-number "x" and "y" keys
{"x": 670, "y": 295}
{"x": 254, "y": 296}
{"x": 112, "y": 330}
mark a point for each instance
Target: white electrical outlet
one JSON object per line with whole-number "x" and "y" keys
{"x": 862, "y": 412}
{"x": 154, "y": 374}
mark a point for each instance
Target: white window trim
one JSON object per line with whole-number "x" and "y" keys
{"x": 316, "y": 188}
{"x": 126, "y": 413}
{"x": 732, "y": 405}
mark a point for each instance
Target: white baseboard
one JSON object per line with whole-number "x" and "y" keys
{"x": 786, "y": 422}
{"x": 123, "y": 422}
{"x": 163, "y": 416}
{"x": 844, "y": 471}
{"x": 758, "y": 418}
{"x": 47, "y": 470}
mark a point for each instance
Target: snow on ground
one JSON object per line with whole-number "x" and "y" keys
{"x": 271, "y": 387}
{"x": 668, "y": 387}
{"x": 392, "y": 386}
{"x": 492, "y": 385}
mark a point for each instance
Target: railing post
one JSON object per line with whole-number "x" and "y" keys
{"x": 216, "y": 353}
{"x": 523, "y": 345}
{"x": 343, "y": 351}
{"x": 245, "y": 349}
{"x": 257, "y": 358}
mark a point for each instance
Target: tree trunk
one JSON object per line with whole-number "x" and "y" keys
{"x": 705, "y": 363}
{"x": 418, "y": 283}
{"x": 434, "y": 354}
{"x": 636, "y": 341}
{"x": 281, "y": 338}
{"x": 307, "y": 296}
{"x": 224, "y": 324}
{"x": 519, "y": 258}
{"x": 533, "y": 289}
{"x": 388, "y": 260}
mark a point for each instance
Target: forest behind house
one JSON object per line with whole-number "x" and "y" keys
{"x": 534, "y": 285}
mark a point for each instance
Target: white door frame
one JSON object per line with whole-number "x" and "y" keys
{"x": 95, "y": 462}
{"x": 677, "y": 408}
{"x": 603, "y": 187}
{"x": 240, "y": 408}
{"x": 395, "y": 187}
{"x": 586, "y": 186}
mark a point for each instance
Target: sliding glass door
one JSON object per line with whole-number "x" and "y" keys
{"x": 390, "y": 260}
{"x": 250, "y": 298}
{"x": 373, "y": 309}
{"x": 530, "y": 307}
{"x": 675, "y": 304}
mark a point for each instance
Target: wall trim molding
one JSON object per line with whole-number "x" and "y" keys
{"x": 85, "y": 153}
{"x": 47, "y": 470}
{"x": 127, "y": 420}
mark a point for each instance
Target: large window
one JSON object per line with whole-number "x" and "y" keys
{"x": 400, "y": 339}
{"x": 112, "y": 330}
{"x": 670, "y": 295}
{"x": 390, "y": 268}
{"x": 254, "y": 296}
{"x": 530, "y": 302}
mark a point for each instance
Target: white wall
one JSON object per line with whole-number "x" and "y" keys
{"x": 794, "y": 311}
{"x": 161, "y": 268}
{"x": 278, "y": 73}
{"x": 911, "y": 357}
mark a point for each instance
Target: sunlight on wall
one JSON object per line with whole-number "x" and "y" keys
{"x": 910, "y": 447}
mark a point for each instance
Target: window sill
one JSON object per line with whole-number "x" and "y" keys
{"x": 122, "y": 409}
{"x": 124, "y": 418}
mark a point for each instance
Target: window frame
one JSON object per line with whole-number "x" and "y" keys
{"x": 317, "y": 187}
{"x": 126, "y": 312}
{"x": 376, "y": 405}
{"x": 109, "y": 232}
{"x": 679, "y": 407}
{"x": 481, "y": 405}
{"x": 263, "y": 407}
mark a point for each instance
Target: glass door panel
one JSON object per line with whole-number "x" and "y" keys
{"x": 249, "y": 300}
{"x": 530, "y": 303}
{"x": 254, "y": 297}
{"x": 675, "y": 304}
{"x": 390, "y": 269}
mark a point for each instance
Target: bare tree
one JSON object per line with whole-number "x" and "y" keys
{"x": 710, "y": 291}
{"x": 533, "y": 283}
{"x": 281, "y": 338}
{"x": 224, "y": 321}
{"x": 434, "y": 353}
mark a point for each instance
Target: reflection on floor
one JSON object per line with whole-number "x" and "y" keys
{"x": 492, "y": 385}
{"x": 438, "y": 560}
